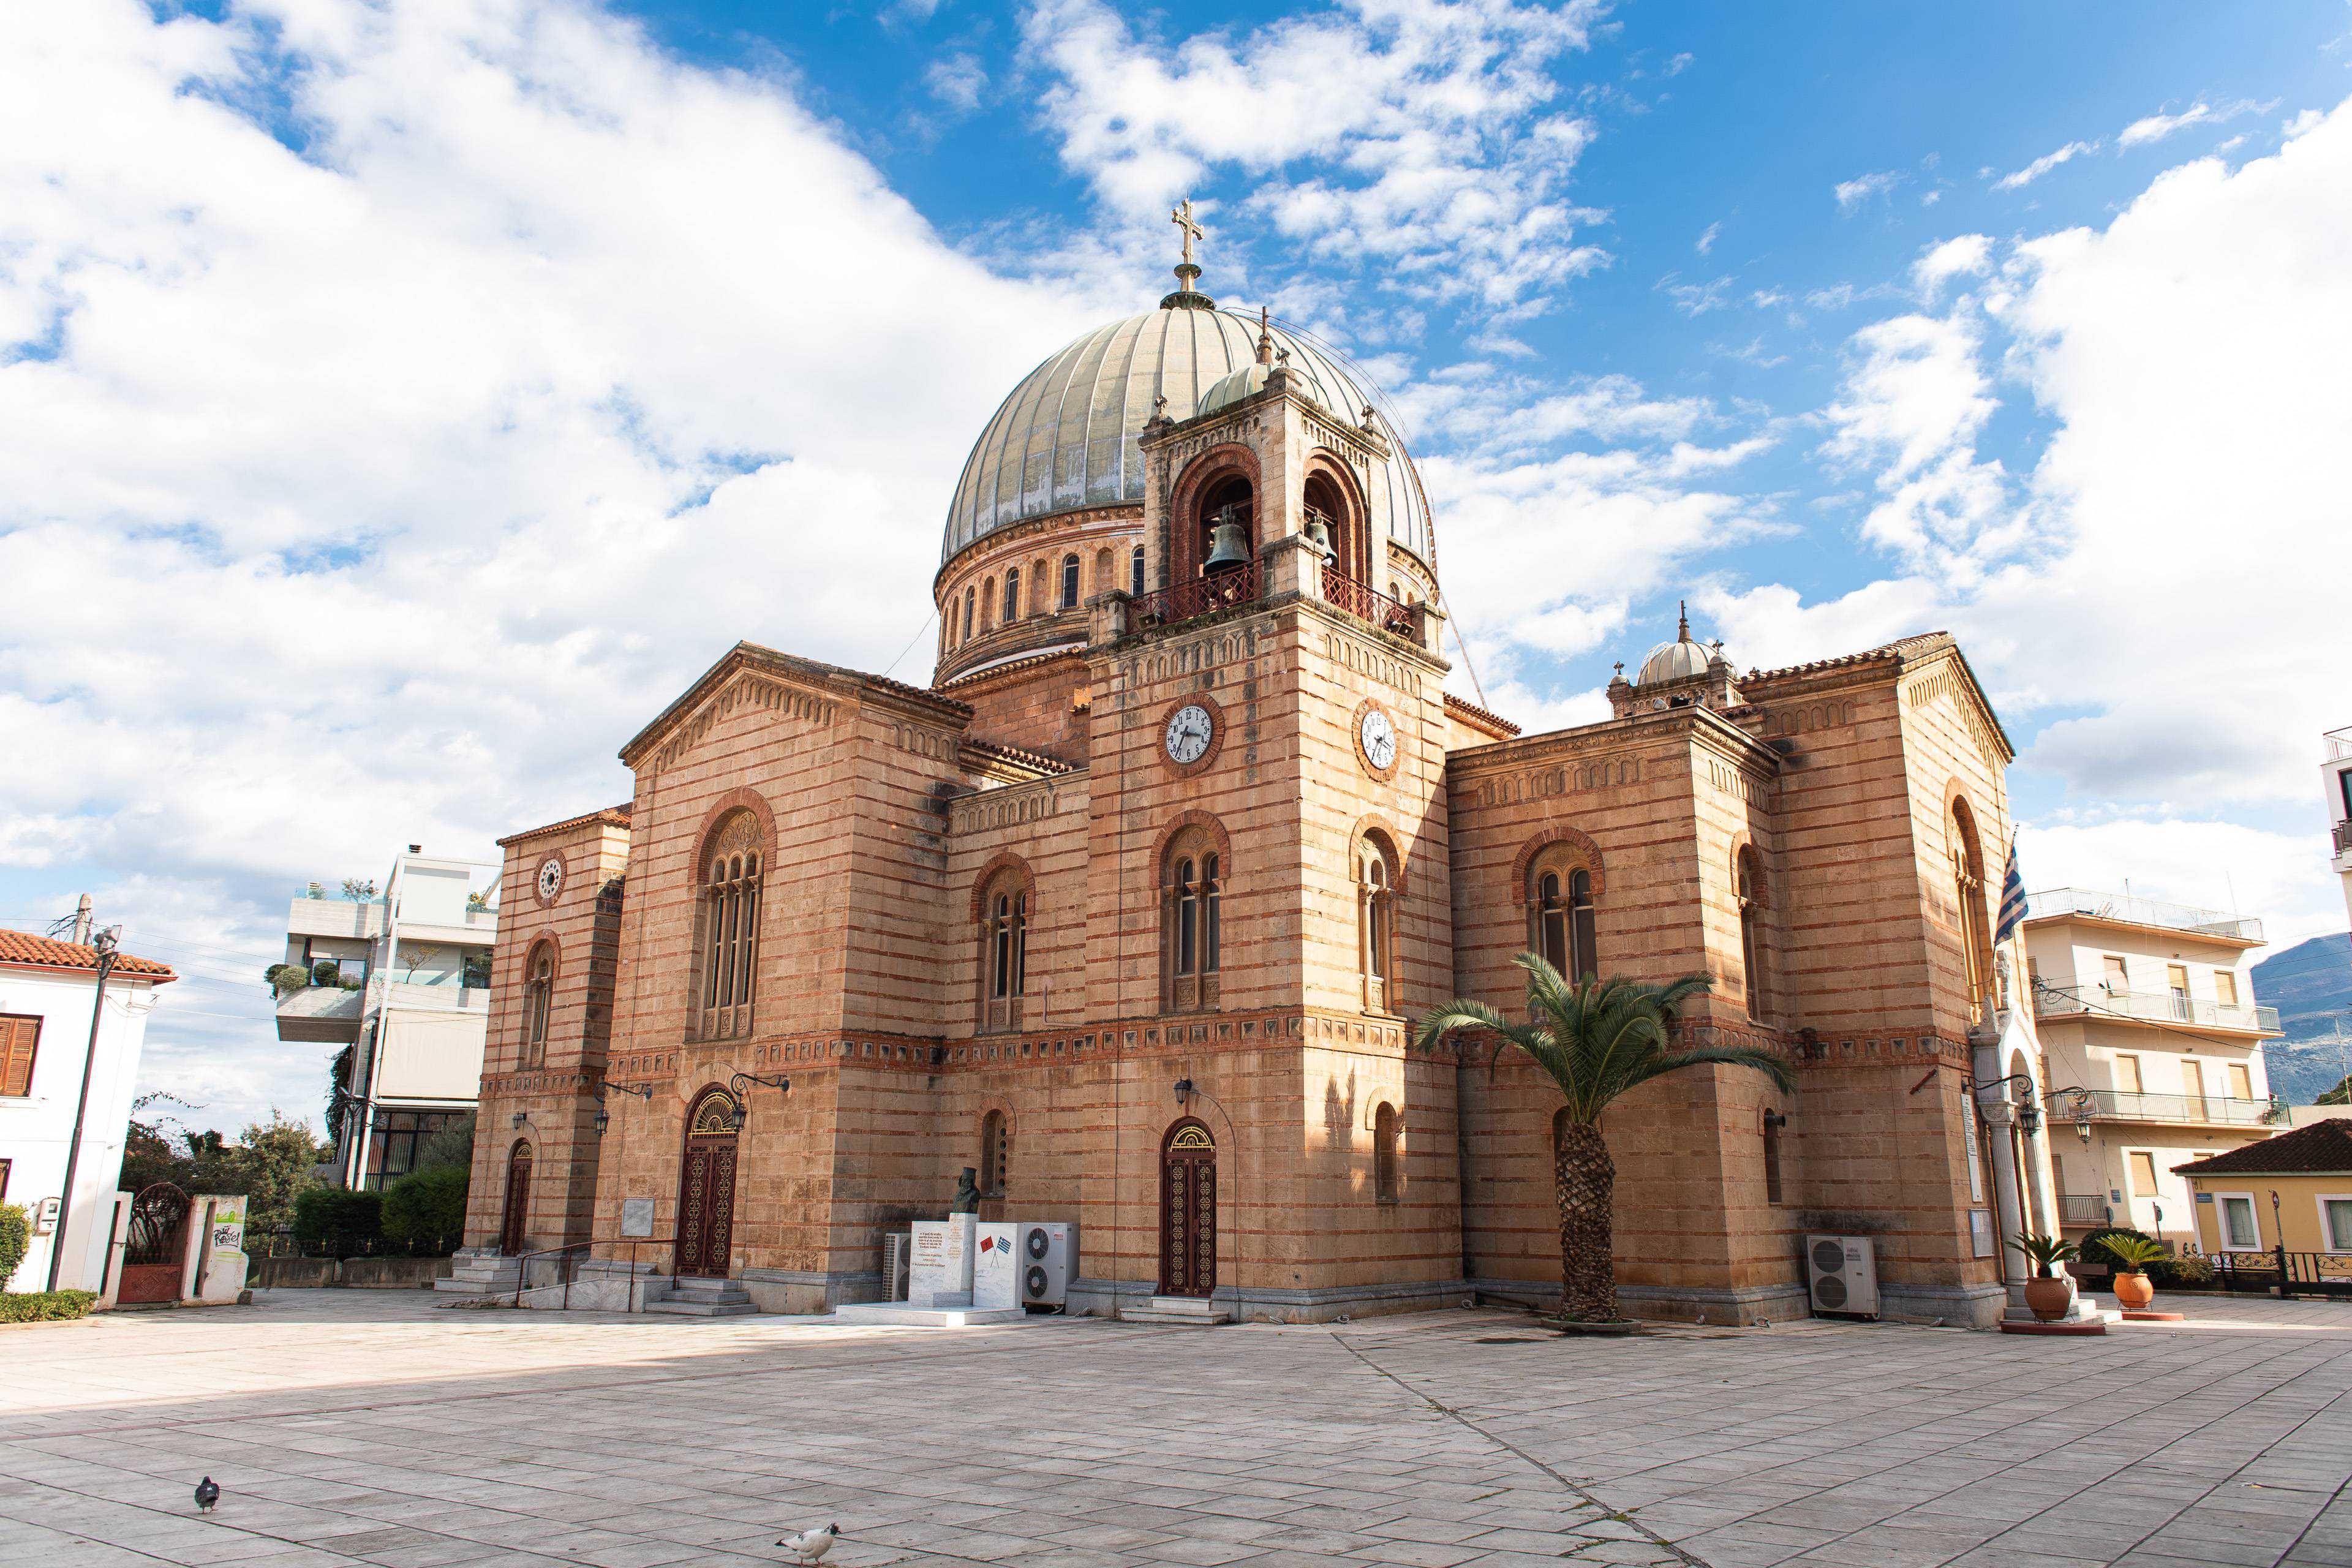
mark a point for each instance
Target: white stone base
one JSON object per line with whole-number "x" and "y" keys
{"x": 898, "y": 1314}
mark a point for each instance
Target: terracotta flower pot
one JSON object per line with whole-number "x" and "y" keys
{"x": 2132, "y": 1291}
{"x": 2048, "y": 1298}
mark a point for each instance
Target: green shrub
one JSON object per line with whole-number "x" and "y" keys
{"x": 42, "y": 1306}
{"x": 16, "y": 1235}
{"x": 285, "y": 978}
{"x": 337, "y": 1221}
{"x": 2182, "y": 1274}
{"x": 326, "y": 971}
{"x": 424, "y": 1212}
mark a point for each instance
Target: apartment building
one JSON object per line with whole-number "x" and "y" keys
{"x": 2152, "y": 1047}
{"x": 402, "y": 976}
{"x": 2336, "y": 783}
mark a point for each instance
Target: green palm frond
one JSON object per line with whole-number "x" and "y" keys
{"x": 1597, "y": 1038}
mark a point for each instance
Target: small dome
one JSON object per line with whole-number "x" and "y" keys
{"x": 1232, "y": 386}
{"x": 1681, "y": 659}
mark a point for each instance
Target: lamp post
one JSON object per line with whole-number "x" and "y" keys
{"x": 104, "y": 943}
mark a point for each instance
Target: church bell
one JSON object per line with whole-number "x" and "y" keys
{"x": 1229, "y": 546}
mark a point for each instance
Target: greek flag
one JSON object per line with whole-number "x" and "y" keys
{"x": 2012, "y": 900}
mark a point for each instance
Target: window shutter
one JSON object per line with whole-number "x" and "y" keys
{"x": 19, "y": 1037}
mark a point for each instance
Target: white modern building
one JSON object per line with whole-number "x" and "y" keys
{"x": 47, "y": 992}
{"x": 2336, "y": 782}
{"x": 403, "y": 977}
{"x": 2152, "y": 1051}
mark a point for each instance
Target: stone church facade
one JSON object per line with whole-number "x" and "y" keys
{"x": 1130, "y": 909}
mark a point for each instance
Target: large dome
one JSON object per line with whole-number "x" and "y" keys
{"x": 1067, "y": 437}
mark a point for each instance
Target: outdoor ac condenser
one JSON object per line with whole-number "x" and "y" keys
{"x": 897, "y": 1258}
{"x": 1843, "y": 1274}
{"x": 1049, "y": 1256}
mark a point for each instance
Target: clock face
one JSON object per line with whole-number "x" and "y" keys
{"x": 1190, "y": 730}
{"x": 1377, "y": 735}
{"x": 551, "y": 877}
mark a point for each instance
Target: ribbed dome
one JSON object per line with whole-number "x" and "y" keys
{"x": 1677, "y": 660}
{"x": 1067, "y": 436}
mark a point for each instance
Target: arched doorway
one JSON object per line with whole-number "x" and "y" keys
{"x": 1188, "y": 1210}
{"x": 515, "y": 1220}
{"x": 706, "y": 1187}
{"x": 155, "y": 1254}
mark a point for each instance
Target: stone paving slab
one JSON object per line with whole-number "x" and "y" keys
{"x": 375, "y": 1427}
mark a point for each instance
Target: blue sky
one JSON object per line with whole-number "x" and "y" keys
{"x": 399, "y": 402}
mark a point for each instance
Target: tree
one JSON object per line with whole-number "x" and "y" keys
{"x": 338, "y": 1071}
{"x": 1595, "y": 1041}
{"x": 453, "y": 1146}
{"x": 276, "y": 1161}
{"x": 2340, "y": 1094}
{"x": 425, "y": 1211}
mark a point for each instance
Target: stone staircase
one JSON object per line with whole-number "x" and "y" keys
{"x": 698, "y": 1298}
{"x": 1191, "y": 1311}
{"x": 480, "y": 1274}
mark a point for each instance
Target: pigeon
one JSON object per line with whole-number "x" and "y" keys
{"x": 208, "y": 1494}
{"x": 811, "y": 1544}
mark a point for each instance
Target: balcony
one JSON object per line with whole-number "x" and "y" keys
{"x": 1197, "y": 596}
{"x": 2083, "y": 1208}
{"x": 2121, "y": 1105}
{"x": 1342, "y": 592}
{"x": 2123, "y": 910}
{"x": 321, "y": 1014}
{"x": 2151, "y": 1007}
{"x": 2344, "y": 836}
{"x": 2339, "y": 743}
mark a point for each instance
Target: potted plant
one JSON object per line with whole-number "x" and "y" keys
{"x": 2047, "y": 1294}
{"x": 2131, "y": 1254}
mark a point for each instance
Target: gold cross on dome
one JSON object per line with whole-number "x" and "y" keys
{"x": 1183, "y": 218}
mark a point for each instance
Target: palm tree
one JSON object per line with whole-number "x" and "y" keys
{"x": 1595, "y": 1041}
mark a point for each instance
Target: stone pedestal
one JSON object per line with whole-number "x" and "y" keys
{"x": 940, "y": 1274}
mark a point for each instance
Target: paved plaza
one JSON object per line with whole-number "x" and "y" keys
{"x": 354, "y": 1426}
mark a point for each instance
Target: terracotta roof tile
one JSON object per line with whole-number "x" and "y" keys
{"x": 1479, "y": 715}
{"x": 1038, "y": 761}
{"x": 617, "y": 815}
{"x": 40, "y": 953}
{"x": 2321, "y": 1146}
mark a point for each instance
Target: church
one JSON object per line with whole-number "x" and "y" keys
{"x": 1131, "y": 909}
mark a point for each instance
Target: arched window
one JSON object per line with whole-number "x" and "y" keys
{"x": 1772, "y": 1120}
{"x": 969, "y": 595}
{"x": 1386, "y": 1180}
{"x": 1134, "y": 572}
{"x": 728, "y": 947}
{"x": 1226, "y": 500}
{"x": 1012, "y": 594}
{"x": 988, "y": 604}
{"x": 1070, "y": 581}
{"x": 1967, "y": 888}
{"x": 1327, "y": 503}
{"x": 539, "y": 1002}
{"x": 1376, "y": 878}
{"x": 1751, "y": 939}
{"x": 1561, "y": 912}
{"x": 1004, "y": 949}
{"x": 1191, "y": 922}
{"x": 995, "y": 1153}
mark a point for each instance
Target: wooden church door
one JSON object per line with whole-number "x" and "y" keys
{"x": 516, "y": 1219}
{"x": 1188, "y": 1211}
{"x": 705, "y": 1193}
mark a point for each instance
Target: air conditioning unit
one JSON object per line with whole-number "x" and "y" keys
{"x": 897, "y": 1259}
{"x": 1049, "y": 1256}
{"x": 1842, "y": 1273}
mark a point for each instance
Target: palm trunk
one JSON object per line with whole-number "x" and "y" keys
{"x": 1584, "y": 1180}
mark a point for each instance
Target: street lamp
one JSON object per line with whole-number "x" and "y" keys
{"x": 103, "y": 942}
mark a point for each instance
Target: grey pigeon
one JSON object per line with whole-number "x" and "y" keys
{"x": 811, "y": 1544}
{"x": 208, "y": 1494}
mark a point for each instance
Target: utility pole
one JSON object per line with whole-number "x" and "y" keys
{"x": 104, "y": 943}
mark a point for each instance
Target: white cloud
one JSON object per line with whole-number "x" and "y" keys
{"x": 1851, "y": 194}
{"x": 1696, "y": 298}
{"x": 347, "y": 496}
{"x": 2043, "y": 164}
{"x": 2156, "y": 127}
{"x": 1966, "y": 255}
{"x": 956, "y": 80}
{"x": 1419, "y": 135}
{"x": 1706, "y": 240}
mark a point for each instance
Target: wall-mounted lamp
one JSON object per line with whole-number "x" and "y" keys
{"x": 739, "y": 1085}
{"x": 604, "y": 1114}
{"x": 1183, "y": 1090}
{"x": 519, "y": 1118}
{"x": 1774, "y": 1120}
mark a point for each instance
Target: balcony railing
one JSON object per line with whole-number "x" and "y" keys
{"x": 1198, "y": 596}
{"x": 2339, "y": 743}
{"x": 2081, "y": 1208}
{"x": 2141, "y": 912}
{"x": 2122, "y": 1105}
{"x": 2150, "y": 1007}
{"x": 2344, "y": 835}
{"x": 1342, "y": 592}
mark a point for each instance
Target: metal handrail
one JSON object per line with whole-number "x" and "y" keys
{"x": 2150, "y": 1007}
{"x": 2131, "y": 911}
{"x": 1366, "y": 602}
{"x": 2344, "y": 835}
{"x": 1197, "y": 596}
{"x": 572, "y": 1272}
{"x": 2127, "y": 1105}
{"x": 2339, "y": 743}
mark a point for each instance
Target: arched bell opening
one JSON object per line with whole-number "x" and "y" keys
{"x": 1223, "y": 531}
{"x": 1334, "y": 520}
